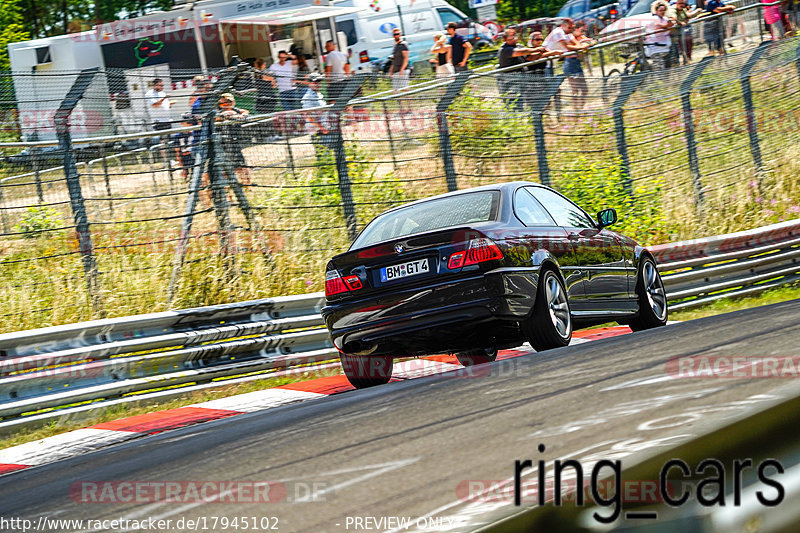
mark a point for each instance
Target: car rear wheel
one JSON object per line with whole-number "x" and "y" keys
{"x": 364, "y": 371}
{"x": 652, "y": 298}
{"x": 477, "y": 357}
{"x": 550, "y": 324}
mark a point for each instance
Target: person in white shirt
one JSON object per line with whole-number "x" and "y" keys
{"x": 337, "y": 68}
{"x": 659, "y": 40}
{"x": 159, "y": 104}
{"x": 284, "y": 71}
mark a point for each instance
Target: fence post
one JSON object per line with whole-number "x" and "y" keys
{"x": 747, "y": 96}
{"x": 797, "y": 60}
{"x": 627, "y": 88}
{"x": 445, "y": 145}
{"x": 37, "y": 178}
{"x": 219, "y": 198}
{"x": 688, "y": 122}
{"x": 538, "y": 106}
{"x": 201, "y": 158}
{"x": 389, "y": 133}
{"x": 77, "y": 203}
{"x": 348, "y": 92}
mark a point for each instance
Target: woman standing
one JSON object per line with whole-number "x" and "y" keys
{"x": 443, "y": 56}
{"x": 658, "y": 40}
{"x": 683, "y": 36}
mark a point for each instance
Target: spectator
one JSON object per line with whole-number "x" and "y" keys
{"x": 535, "y": 72}
{"x": 159, "y": 103}
{"x": 399, "y": 70}
{"x": 283, "y": 73}
{"x": 197, "y": 81}
{"x": 683, "y": 35}
{"x": 200, "y": 93}
{"x": 301, "y": 85}
{"x": 318, "y": 123}
{"x": 231, "y": 130}
{"x": 443, "y": 59}
{"x": 460, "y": 48}
{"x": 337, "y": 68}
{"x": 712, "y": 29}
{"x": 184, "y": 146}
{"x": 562, "y": 40}
{"x": 266, "y": 89}
{"x": 509, "y": 83}
{"x": 658, "y": 39}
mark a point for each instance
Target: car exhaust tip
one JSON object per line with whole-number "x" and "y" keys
{"x": 359, "y": 348}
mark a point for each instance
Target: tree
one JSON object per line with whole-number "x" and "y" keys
{"x": 12, "y": 29}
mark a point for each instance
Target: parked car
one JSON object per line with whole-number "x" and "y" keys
{"x": 474, "y": 271}
{"x": 595, "y": 13}
{"x": 635, "y": 22}
{"x": 369, "y": 31}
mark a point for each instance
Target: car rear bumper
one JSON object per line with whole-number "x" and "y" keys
{"x": 445, "y": 317}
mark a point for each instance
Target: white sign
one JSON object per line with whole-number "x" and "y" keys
{"x": 486, "y": 12}
{"x": 475, "y": 4}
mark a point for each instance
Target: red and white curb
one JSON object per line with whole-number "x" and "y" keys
{"x": 85, "y": 440}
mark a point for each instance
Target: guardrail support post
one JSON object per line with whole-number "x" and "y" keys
{"x": 549, "y": 90}
{"x": 688, "y": 121}
{"x": 445, "y": 146}
{"x": 747, "y": 96}
{"x": 348, "y": 92}
{"x": 628, "y": 87}
{"x": 77, "y": 203}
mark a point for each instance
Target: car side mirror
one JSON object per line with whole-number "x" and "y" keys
{"x": 606, "y": 217}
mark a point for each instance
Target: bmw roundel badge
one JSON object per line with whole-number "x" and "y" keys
{"x": 398, "y": 248}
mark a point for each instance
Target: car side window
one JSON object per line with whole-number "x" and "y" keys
{"x": 529, "y": 210}
{"x": 565, "y": 213}
{"x": 449, "y": 16}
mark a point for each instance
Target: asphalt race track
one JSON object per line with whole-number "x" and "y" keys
{"x": 410, "y": 449}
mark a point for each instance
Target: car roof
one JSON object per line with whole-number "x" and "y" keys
{"x": 511, "y": 185}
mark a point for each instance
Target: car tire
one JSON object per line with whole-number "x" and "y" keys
{"x": 477, "y": 357}
{"x": 653, "y": 307}
{"x": 550, "y": 323}
{"x": 364, "y": 371}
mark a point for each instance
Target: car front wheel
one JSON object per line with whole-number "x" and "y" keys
{"x": 652, "y": 298}
{"x": 364, "y": 371}
{"x": 550, "y": 324}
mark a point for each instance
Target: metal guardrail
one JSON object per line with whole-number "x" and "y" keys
{"x": 699, "y": 271}
{"x": 63, "y": 365}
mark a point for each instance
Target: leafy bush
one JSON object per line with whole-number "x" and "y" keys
{"x": 639, "y": 210}
{"x": 38, "y": 220}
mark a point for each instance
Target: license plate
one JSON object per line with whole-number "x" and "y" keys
{"x": 404, "y": 270}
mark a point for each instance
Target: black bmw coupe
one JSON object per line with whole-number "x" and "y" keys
{"x": 477, "y": 270}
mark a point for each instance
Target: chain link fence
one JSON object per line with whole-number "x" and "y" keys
{"x": 229, "y": 205}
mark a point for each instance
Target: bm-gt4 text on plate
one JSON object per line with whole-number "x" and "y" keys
{"x": 473, "y": 271}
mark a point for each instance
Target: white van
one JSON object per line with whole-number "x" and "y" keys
{"x": 369, "y": 31}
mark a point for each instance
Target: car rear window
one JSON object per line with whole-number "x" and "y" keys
{"x": 458, "y": 210}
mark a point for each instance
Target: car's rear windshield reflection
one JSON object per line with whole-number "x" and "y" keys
{"x": 450, "y": 211}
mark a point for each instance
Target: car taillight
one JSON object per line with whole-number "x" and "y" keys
{"x": 363, "y": 56}
{"x": 479, "y": 250}
{"x": 353, "y": 283}
{"x": 613, "y": 13}
{"x": 334, "y": 283}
